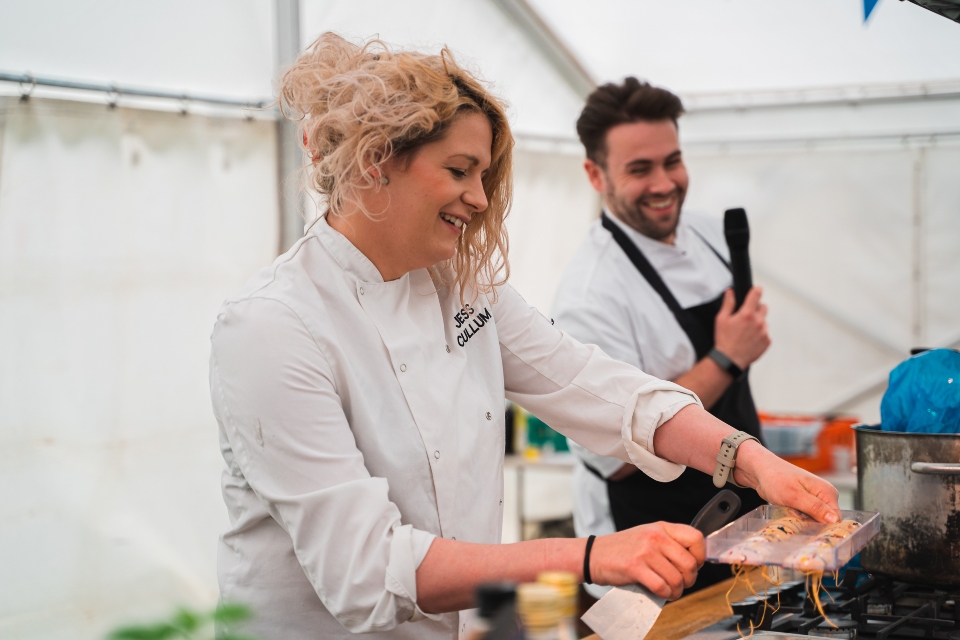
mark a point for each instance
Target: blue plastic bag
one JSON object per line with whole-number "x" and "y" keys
{"x": 924, "y": 394}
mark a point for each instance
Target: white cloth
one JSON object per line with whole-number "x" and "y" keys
{"x": 603, "y": 300}
{"x": 359, "y": 419}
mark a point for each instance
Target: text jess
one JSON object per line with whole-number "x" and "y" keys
{"x": 473, "y": 320}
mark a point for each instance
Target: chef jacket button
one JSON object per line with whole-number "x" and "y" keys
{"x": 448, "y": 348}
{"x": 489, "y": 416}
{"x": 361, "y": 290}
{"x": 436, "y": 454}
{"x": 403, "y": 367}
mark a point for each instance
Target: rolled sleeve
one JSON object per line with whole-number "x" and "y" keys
{"x": 408, "y": 548}
{"x": 276, "y": 400}
{"x": 605, "y": 466}
{"x": 640, "y": 425}
{"x": 609, "y": 407}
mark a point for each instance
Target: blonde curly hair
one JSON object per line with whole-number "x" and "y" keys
{"x": 359, "y": 106}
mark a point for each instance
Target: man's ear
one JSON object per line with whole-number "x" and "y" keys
{"x": 596, "y": 175}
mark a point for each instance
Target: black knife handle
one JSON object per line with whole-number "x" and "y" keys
{"x": 720, "y": 511}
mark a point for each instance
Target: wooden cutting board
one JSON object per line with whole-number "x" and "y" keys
{"x": 692, "y": 613}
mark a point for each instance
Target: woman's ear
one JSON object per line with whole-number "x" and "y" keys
{"x": 378, "y": 169}
{"x": 382, "y": 170}
{"x": 315, "y": 157}
{"x": 378, "y": 174}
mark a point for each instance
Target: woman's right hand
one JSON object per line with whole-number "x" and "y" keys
{"x": 664, "y": 557}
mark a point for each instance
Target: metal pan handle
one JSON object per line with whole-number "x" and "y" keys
{"x": 936, "y": 468}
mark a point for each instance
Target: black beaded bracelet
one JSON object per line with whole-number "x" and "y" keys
{"x": 586, "y": 560}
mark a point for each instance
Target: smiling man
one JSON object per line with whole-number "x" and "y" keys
{"x": 651, "y": 286}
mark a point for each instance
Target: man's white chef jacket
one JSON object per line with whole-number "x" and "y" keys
{"x": 359, "y": 419}
{"x": 603, "y": 300}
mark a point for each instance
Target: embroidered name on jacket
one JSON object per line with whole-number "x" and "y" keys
{"x": 471, "y": 321}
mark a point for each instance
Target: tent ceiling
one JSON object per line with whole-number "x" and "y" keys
{"x": 215, "y": 47}
{"x": 523, "y": 46}
{"x": 702, "y": 46}
{"x": 482, "y": 35}
{"x": 546, "y": 41}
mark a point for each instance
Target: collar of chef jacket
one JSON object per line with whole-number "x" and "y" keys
{"x": 602, "y": 299}
{"x": 688, "y": 267}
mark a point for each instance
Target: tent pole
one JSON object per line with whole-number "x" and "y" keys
{"x": 28, "y": 82}
{"x": 289, "y": 148}
{"x": 550, "y": 45}
{"x": 918, "y": 253}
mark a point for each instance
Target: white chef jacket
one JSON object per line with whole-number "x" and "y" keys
{"x": 359, "y": 419}
{"x": 603, "y": 300}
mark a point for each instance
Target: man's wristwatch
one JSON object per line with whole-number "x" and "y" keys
{"x": 725, "y": 363}
{"x": 727, "y": 459}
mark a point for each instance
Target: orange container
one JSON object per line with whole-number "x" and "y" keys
{"x": 815, "y": 443}
{"x": 837, "y": 443}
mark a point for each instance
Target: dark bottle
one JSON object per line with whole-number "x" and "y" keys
{"x": 495, "y": 603}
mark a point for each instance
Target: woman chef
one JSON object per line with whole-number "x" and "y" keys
{"x": 359, "y": 381}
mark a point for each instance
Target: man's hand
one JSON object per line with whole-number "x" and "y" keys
{"x": 779, "y": 482}
{"x": 662, "y": 556}
{"x": 742, "y": 336}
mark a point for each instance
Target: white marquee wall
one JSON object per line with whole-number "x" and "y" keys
{"x": 120, "y": 234}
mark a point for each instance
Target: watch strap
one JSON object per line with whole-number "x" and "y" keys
{"x": 724, "y": 362}
{"x": 727, "y": 458}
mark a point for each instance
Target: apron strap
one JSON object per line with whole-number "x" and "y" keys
{"x": 689, "y": 324}
{"x": 710, "y": 246}
{"x": 592, "y": 469}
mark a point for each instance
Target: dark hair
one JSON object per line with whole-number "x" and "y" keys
{"x": 612, "y": 104}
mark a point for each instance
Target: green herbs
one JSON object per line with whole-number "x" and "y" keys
{"x": 189, "y": 625}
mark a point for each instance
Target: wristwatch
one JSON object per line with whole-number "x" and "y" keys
{"x": 727, "y": 459}
{"x": 725, "y": 363}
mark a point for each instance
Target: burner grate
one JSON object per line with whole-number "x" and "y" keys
{"x": 860, "y": 606}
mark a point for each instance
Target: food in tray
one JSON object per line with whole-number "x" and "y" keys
{"x": 773, "y": 535}
{"x": 778, "y": 537}
{"x": 815, "y": 555}
{"x": 756, "y": 549}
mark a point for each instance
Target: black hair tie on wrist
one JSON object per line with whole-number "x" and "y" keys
{"x": 586, "y": 560}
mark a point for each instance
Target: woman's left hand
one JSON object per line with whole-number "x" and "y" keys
{"x": 781, "y": 483}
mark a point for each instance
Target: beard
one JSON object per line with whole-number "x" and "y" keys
{"x": 633, "y": 215}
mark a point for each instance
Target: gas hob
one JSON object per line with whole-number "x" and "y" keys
{"x": 861, "y": 606}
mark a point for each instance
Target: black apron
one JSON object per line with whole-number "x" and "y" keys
{"x": 639, "y": 499}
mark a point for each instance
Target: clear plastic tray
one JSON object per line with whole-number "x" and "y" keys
{"x": 787, "y": 553}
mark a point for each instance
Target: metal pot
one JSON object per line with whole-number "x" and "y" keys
{"x": 913, "y": 480}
